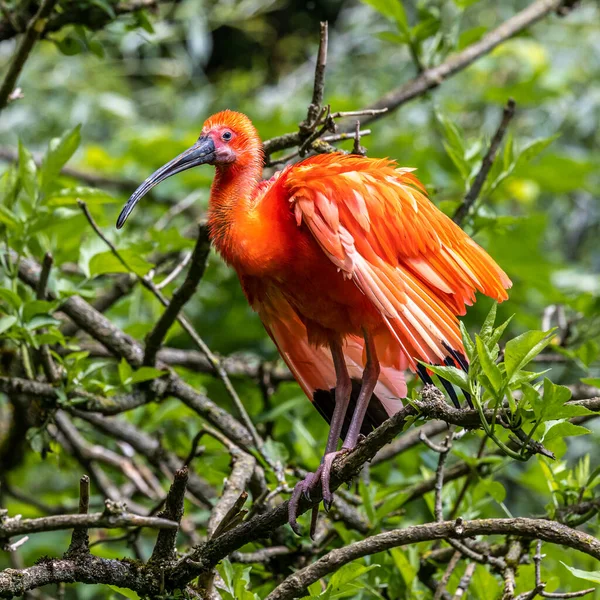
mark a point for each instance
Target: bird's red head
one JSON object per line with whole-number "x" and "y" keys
{"x": 235, "y": 139}
{"x": 228, "y": 141}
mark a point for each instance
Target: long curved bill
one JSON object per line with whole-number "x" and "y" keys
{"x": 202, "y": 152}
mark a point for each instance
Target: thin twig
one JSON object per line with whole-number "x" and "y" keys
{"x": 488, "y": 160}
{"x": 464, "y": 581}
{"x": 180, "y": 297}
{"x": 446, "y": 576}
{"x": 50, "y": 369}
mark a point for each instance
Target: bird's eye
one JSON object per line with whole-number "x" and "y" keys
{"x": 227, "y": 135}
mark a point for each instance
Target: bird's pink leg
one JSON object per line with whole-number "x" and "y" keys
{"x": 343, "y": 389}
{"x": 369, "y": 381}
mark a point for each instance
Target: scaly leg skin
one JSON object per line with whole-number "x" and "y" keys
{"x": 323, "y": 473}
{"x": 343, "y": 389}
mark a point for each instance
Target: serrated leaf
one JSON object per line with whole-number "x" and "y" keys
{"x": 490, "y": 368}
{"x": 488, "y": 325}
{"x": 59, "y": 152}
{"x": 522, "y": 349}
{"x": 562, "y": 430}
{"x": 468, "y": 344}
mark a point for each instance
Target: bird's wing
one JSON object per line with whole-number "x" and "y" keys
{"x": 312, "y": 367}
{"x": 375, "y": 223}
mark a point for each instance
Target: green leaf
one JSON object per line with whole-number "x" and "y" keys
{"x": 366, "y": 494}
{"x": 7, "y": 322}
{"x": 532, "y": 149}
{"x": 145, "y": 374}
{"x": 593, "y": 576}
{"x": 107, "y": 262}
{"x": 394, "y": 38}
{"x": 27, "y": 172}
{"x": 10, "y": 297}
{"x": 425, "y": 29}
{"x": 392, "y": 10}
{"x": 467, "y": 341}
{"x": 404, "y": 566}
{"x": 522, "y": 349}
{"x": 70, "y": 196}
{"x": 494, "y": 488}
{"x": 490, "y": 368}
{"x": 59, "y": 152}
{"x": 125, "y": 592}
{"x": 348, "y": 573}
{"x": 455, "y": 376}
{"x": 125, "y": 371}
{"x": 562, "y": 430}
{"x": 488, "y": 325}
{"x": 594, "y": 381}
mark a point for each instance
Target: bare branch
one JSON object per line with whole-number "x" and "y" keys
{"x": 541, "y": 528}
{"x": 180, "y": 297}
{"x": 10, "y": 527}
{"x": 164, "y": 550}
{"x": 34, "y": 29}
{"x": 432, "y": 78}
{"x": 488, "y": 160}
{"x": 446, "y": 576}
{"x": 80, "y": 541}
{"x": 465, "y": 581}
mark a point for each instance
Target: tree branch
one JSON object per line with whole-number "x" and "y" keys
{"x": 180, "y": 297}
{"x": 548, "y": 531}
{"x": 35, "y": 27}
{"x": 432, "y": 78}
{"x": 488, "y": 160}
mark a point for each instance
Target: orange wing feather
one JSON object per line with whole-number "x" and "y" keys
{"x": 417, "y": 267}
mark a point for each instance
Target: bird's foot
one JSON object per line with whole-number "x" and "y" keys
{"x": 321, "y": 477}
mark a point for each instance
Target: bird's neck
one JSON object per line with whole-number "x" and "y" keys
{"x": 231, "y": 199}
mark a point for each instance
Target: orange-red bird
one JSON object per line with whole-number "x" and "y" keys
{"x": 354, "y": 273}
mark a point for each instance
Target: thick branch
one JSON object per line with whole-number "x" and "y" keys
{"x": 542, "y": 529}
{"x": 93, "y": 570}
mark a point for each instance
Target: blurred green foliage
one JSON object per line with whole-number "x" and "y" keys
{"x": 124, "y": 100}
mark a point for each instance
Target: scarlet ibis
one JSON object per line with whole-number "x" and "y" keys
{"x": 354, "y": 272}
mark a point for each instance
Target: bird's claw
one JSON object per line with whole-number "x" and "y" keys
{"x": 310, "y": 483}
